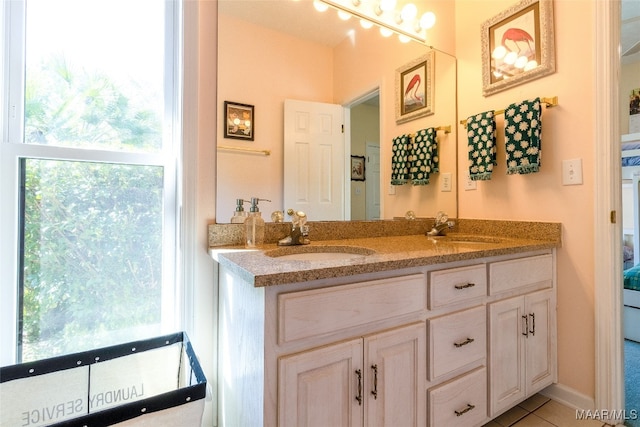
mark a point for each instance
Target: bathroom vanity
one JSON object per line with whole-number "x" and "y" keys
{"x": 414, "y": 331}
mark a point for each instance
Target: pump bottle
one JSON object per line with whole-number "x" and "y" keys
{"x": 239, "y": 215}
{"x": 254, "y": 225}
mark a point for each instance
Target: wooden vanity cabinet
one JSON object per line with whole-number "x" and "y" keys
{"x": 434, "y": 346}
{"x": 377, "y": 380}
{"x": 522, "y": 333}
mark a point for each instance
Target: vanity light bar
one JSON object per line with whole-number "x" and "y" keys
{"x": 549, "y": 102}
{"x": 350, "y": 6}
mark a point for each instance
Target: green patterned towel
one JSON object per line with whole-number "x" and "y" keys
{"x": 424, "y": 156}
{"x": 400, "y": 160}
{"x": 523, "y": 136}
{"x": 481, "y": 135}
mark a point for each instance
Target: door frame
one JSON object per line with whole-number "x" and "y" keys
{"x": 375, "y": 91}
{"x": 609, "y": 357}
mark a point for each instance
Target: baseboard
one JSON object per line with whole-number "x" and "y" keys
{"x": 569, "y": 397}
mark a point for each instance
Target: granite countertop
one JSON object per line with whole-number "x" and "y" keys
{"x": 384, "y": 253}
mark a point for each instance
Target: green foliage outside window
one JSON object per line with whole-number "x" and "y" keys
{"x": 92, "y": 232}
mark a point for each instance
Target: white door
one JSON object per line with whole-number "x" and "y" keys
{"x": 372, "y": 181}
{"x": 314, "y": 176}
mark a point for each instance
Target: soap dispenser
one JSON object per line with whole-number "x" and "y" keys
{"x": 240, "y": 215}
{"x": 254, "y": 225}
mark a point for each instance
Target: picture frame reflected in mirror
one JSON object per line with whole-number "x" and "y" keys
{"x": 414, "y": 89}
{"x": 239, "y": 119}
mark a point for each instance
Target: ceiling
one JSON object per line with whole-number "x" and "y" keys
{"x": 299, "y": 18}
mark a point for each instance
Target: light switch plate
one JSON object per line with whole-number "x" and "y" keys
{"x": 445, "y": 181}
{"x": 392, "y": 190}
{"x": 572, "y": 172}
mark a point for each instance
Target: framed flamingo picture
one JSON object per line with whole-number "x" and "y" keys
{"x": 414, "y": 89}
{"x": 517, "y": 45}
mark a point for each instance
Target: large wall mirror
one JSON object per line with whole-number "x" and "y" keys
{"x": 273, "y": 55}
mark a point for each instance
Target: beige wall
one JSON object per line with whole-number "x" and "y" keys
{"x": 567, "y": 134}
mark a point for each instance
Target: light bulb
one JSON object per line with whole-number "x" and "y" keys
{"x": 344, "y": 15}
{"x": 511, "y": 58}
{"x": 521, "y": 62}
{"x": 403, "y": 38}
{"x": 427, "y": 20}
{"x": 385, "y": 32}
{"x": 409, "y": 12}
{"x": 387, "y": 5}
{"x": 320, "y": 6}
{"x": 499, "y": 52}
{"x": 366, "y": 24}
{"x": 531, "y": 65}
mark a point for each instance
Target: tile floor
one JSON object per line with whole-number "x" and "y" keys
{"x": 540, "y": 411}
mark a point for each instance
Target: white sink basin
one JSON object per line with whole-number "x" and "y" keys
{"x": 319, "y": 253}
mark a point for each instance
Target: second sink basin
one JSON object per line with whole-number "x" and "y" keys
{"x": 318, "y": 253}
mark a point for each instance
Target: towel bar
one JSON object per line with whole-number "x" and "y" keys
{"x": 549, "y": 102}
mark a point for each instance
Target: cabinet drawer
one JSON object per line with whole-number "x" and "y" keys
{"x": 456, "y": 340}
{"x": 323, "y": 311}
{"x": 521, "y": 272}
{"x": 455, "y": 285}
{"x": 460, "y": 402}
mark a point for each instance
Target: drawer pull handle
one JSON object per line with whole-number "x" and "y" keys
{"x": 525, "y": 324}
{"x": 375, "y": 382}
{"x": 465, "y": 342}
{"x": 532, "y": 331}
{"x": 465, "y": 286}
{"x": 359, "y": 396}
{"x": 465, "y": 410}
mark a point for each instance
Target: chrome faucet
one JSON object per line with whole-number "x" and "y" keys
{"x": 299, "y": 230}
{"x": 441, "y": 224}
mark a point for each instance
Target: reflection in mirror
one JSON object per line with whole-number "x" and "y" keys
{"x": 273, "y": 51}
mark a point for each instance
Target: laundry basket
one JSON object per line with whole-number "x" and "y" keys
{"x": 155, "y": 382}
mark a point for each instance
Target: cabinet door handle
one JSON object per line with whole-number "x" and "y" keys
{"x": 375, "y": 382}
{"x": 465, "y": 286}
{"x": 465, "y": 410}
{"x": 525, "y": 324}
{"x": 359, "y": 395}
{"x": 532, "y": 331}
{"x": 465, "y": 342}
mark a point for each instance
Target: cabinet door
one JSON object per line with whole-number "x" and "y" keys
{"x": 395, "y": 385}
{"x": 540, "y": 341}
{"x": 506, "y": 365}
{"x": 319, "y": 387}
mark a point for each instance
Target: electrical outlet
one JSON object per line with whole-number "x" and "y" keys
{"x": 572, "y": 172}
{"x": 445, "y": 181}
{"x": 469, "y": 184}
{"x": 392, "y": 190}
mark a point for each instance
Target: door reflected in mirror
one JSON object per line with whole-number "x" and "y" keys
{"x": 317, "y": 58}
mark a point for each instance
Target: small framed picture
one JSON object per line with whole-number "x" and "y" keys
{"x": 517, "y": 45}
{"x": 239, "y": 121}
{"x": 414, "y": 89}
{"x": 357, "y": 168}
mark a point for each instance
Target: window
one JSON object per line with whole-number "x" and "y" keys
{"x": 89, "y": 176}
